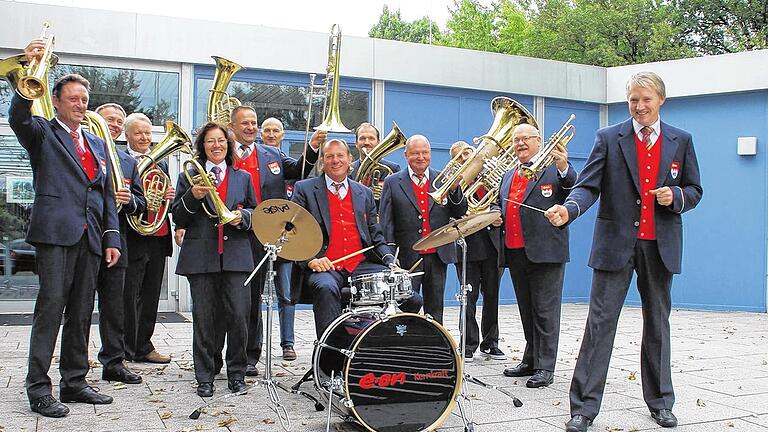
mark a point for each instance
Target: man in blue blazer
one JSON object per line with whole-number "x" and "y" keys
{"x": 535, "y": 253}
{"x": 347, "y": 216}
{"x": 646, "y": 175}
{"x": 408, "y": 213}
{"x": 74, "y": 224}
{"x": 112, "y": 279}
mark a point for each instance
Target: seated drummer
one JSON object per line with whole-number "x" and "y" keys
{"x": 346, "y": 213}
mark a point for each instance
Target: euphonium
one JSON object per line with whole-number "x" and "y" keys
{"x": 331, "y": 117}
{"x": 220, "y": 104}
{"x": 508, "y": 113}
{"x": 490, "y": 178}
{"x": 155, "y": 181}
{"x": 98, "y": 126}
{"x": 220, "y": 209}
{"x": 371, "y": 170}
{"x": 544, "y": 157}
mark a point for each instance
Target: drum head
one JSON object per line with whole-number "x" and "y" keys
{"x": 404, "y": 375}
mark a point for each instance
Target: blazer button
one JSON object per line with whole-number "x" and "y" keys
{"x": 419, "y": 231}
{"x": 638, "y": 202}
{"x": 226, "y": 238}
{"x": 637, "y": 224}
{"x": 90, "y": 188}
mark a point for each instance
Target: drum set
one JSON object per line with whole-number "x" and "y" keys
{"x": 377, "y": 367}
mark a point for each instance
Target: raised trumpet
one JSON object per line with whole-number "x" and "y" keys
{"x": 34, "y": 83}
{"x": 544, "y": 157}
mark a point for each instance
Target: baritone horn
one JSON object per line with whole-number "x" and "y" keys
{"x": 371, "y": 171}
{"x": 202, "y": 178}
{"x": 155, "y": 181}
{"x": 98, "y": 126}
{"x": 544, "y": 157}
{"x": 508, "y": 113}
{"x": 220, "y": 103}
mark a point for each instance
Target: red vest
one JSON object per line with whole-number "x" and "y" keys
{"x": 422, "y": 198}
{"x": 513, "y": 238}
{"x": 345, "y": 238}
{"x": 87, "y": 159}
{"x": 648, "y": 168}
{"x": 221, "y": 190}
{"x": 251, "y": 164}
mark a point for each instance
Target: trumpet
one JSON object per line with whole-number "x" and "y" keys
{"x": 544, "y": 157}
{"x": 34, "y": 83}
{"x": 17, "y": 70}
{"x": 220, "y": 209}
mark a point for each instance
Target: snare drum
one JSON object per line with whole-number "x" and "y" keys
{"x": 398, "y": 373}
{"x": 374, "y": 288}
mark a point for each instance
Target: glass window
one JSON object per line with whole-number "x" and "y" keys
{"x": 287, "y": 103}
{"x": 155, "y": 94}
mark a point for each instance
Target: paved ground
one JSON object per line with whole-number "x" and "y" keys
{"x": 720, "y": 372}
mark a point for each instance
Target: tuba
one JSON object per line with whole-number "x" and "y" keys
{"x": 30, "y": 78}
{"x": 508, "y": 113}
{"x": 98, "y": 126}
{"x": 220, "y": 209}
{"x": 544, "y": 157}
{"x": 331, "y": 118}
{"x": 155, "y": 181}
{"x": 220, "y": 104}
{"x": 371, "y": 170}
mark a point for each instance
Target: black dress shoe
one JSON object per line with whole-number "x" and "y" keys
{"x": 48, "y": 406}
{"x": 541, "y": 378}
{"x": 122, "y": 374}
{"x": 205, "y": 389}
{"x": 521, "y": 370}
{"x": 578, "y": 423}
{"x": 664, "y": 418}
{"x": 87, "y": 395}
{"x": 251, "y": 370}
{"x": 236, "y": 386}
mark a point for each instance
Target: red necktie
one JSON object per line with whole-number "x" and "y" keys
{"x": 647, "y": 131}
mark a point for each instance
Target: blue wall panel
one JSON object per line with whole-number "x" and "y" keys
{"x": 724, "y": 256}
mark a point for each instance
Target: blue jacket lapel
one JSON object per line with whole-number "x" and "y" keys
{"x": 321, "y": 195}
{"x": 232, "y": 185}
{"x": 626, "y": 140}
{"x": 506, "y": 183}
{"x": 358, "y": 205}
{"x": 432, "y": 186}
{"x": 668, "y": 150}
{"x": 407, "y": 187}
{"x": 66, "y": 141}
{"x": 261, "y": 154}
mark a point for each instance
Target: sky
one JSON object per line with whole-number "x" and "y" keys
{"x": 355, "y": 17}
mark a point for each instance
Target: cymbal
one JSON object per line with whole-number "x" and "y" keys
{"x": 459, "y": 228}
{"x": 274, "y": 219}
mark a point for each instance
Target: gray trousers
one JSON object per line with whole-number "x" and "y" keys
{"x": 539, "y": 291}
{"x": 609, "y": 289}
{"x": 67, "y": 286}
{"x": 111, "y": 317}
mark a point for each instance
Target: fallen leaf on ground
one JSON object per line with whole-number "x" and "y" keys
{"x": 227, "y": 421}
{"x": 700, "y": 403}
{"x": 120, "y": 386}
{"x": 632, "y": 376}
{"x": 268, "y": 421}
{"x": 164, "y": 415}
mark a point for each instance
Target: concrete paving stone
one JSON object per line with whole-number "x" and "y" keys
{"x": 723, "y": 426}
{"x": 17, "y": 421}
{"x": 756, "y": 404}
{"x": 760, "y": 420}
{"x": 691, "y": 412}
{"x": 737, "y": 388}
{"x": 106, "y": 422}
{"x": 612, "y": 421}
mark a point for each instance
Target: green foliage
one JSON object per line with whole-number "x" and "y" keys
{"x": 724, "y": 26}
{"x": 392, "y": 26}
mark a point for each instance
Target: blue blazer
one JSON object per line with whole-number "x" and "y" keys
{"x": 135, "y": 207}
{"x": 312, "y": 194}
{"x": 65, "y": 199}
{"x": 611, "y": 174}
{"x": 544, "y": 243}
{"x": 400, "y": 216}
{"x": 199, "y": 252}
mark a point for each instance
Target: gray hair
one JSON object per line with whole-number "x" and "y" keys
{"x": 458, "y": 147}
{"x": 271, "y": 120}
{"x": 413, "y": 138}
{"x": 110, "y": 105}
{"x": 319, "y": 164}
{"x": 134, "y": 117}
{"x": 649, "y": 80}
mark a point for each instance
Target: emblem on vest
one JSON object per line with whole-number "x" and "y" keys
{"x": 444, "y": 202}
{"x": 127, "y": 181}
{"x": 674, "y": 170}
{"x": 546, "y": 190}
{"x": 103, "y": 166}
{"x": 274, "y": 167}
{"x": 289, "y": 190}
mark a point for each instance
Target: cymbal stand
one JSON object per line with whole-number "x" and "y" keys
{"x": 467, "y": 412}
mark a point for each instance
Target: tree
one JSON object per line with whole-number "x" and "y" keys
{"x": 392, "y": 26}
{"x": 724, "y": 26}
{"x": 471, "y": 26}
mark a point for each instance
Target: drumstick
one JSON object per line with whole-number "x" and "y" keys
{"x": 525, "y": 205}
{"x": 336, "y": 261}
{"x": 415, "y": 265}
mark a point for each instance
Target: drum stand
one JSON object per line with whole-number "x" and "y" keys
{"x": 467, "y": 412}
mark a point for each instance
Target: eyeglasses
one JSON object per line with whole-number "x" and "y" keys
{"x": 214, "y": 141}
{"x": 521, "y": 139}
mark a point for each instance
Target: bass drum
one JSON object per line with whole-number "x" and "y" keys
{"x": 399, "y": 373}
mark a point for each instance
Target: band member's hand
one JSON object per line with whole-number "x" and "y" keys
{"x": 170, "y": 193}
{"x": 320, "y": 264}
{"x": 318, "y": 138}
{"x": 557, "y": 215}
{"x": 663, "y": 195}
{"x": 34, "y": 49}
{"x": 111, "y": 255}
{"x": 199, "y": 192}
{"x": 178, "y": 236}
{"x": 497, "y": 222}
{"x": 123, "y": 196}
{"x": 236, "y": 221}
{"x": 560, "y": 154}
